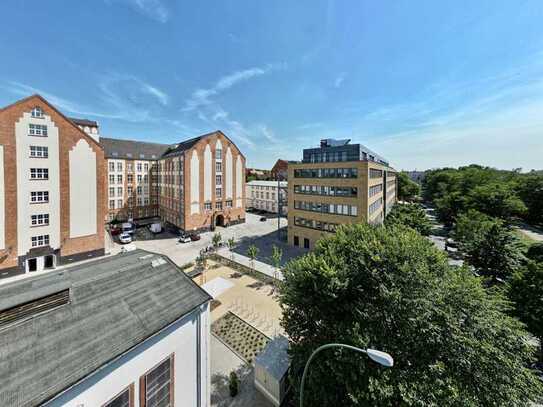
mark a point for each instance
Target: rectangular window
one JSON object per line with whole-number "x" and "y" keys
{"x": 129, "y": 167}
{"x": 112, "y": 204}
{"x": 112, "y": 179}
{"x": 129, "y": 178}
{"x": 39, "y": 152}
{"x": 229, "y": 204}
{"x": 138, "y": 167}
{"x": 112, "y": 192}
{"x": 37, "y": 112}
{"x": 218, "y": 192}
{"x": 120, "y": 192}
{"x": 218, "y": 179}
{"x": 119, "y": 179}
{"x": 218, "y": 166}
{"x": 38, "y": 241}
{"x": 375, "y": 173}
{"x": 39, "y": 173}
{"x": 111, "y": 166}
{"x": 37, "y": 130}
{"x": 218, "y": 154}
{"x": 123, "y": 399}
{"x": 138, "y": 190}
{"x": 120, "y": 167}
{"x": 139, "y": 178}
{"x": 39, "y": 197}
{"x": 218, "y": 205}
{"x": 146, "y": 167}
{"x": 156, "y": 387}
{"x": 40, "y": 220}
{"x": 207, "y": 206}
{"x": 119, "y": 203}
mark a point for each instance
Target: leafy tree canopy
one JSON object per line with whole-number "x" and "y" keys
{"x": 408, "y": 190}
{"x": 389, "y": 288}
{"x": 503, "y": 194}
{"x": 535, "y": 252}
{"x": 411, "y": 215}
{"x": 526, "y": 291}
{"x": 491, "y": 247}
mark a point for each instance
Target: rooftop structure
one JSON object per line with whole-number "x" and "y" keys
{"x": 59, "y": 328}
{"x": 332, "y": 150}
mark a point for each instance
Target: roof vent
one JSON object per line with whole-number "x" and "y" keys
{"x": 32, "y": 308}
{"x": 114, "y": 154}
{"x": 158, "y": 262}
{"x": 129, "y": 154}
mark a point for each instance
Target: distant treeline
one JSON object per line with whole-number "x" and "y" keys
{"x": 498, "y": 193}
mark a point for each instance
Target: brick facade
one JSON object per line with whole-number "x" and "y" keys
{"x": 69, "y": 135}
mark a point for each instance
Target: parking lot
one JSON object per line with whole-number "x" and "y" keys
{"x": 263, "y": 233}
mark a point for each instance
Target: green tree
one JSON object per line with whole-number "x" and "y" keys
{"x": 216, "y": 240}
{"x": 526, "y": 291}
{"x": 498, "y": 200}
{"x": 535, "y": 252}
{"x": 231, "y": 243}
{"x": 489, "y": 245}
{"x": 530, "y": 189}
{"x": 411, "y": 215}
{"x": 408, "y": 190}
{"x": 276, "y": 256}
{"x": 389, "y": 288}
{"x": 252, "y": 253}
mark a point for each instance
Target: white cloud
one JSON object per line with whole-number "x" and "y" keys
{"x": 153, "y": 9}
{"x": 339, "y": 80}
{"x": 160, "y": 95}
{"x": 202, "y": 97}
{"x": 268, "y": 133}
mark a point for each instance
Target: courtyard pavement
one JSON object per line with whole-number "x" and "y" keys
{"x": 263, "y": 233}
{"x": 255, "y": 303}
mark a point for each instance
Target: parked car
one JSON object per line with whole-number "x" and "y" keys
{"x": 125, "y": 238}
{"x": 194, "y": 237}
{"x": 155, "y": 228}
{"x": 263, "y": 219}
{"x": 184, "y": 239}
{"x": 128, "y": 228}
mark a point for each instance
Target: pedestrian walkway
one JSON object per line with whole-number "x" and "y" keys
{"x": 259, "y": 266}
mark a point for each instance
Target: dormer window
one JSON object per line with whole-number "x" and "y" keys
{"x": 37, "y": 112}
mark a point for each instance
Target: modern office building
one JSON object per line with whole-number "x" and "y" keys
{"x": 337, "y": 183}
{"x": 52, "y": 189}
{"x": 126, "y": 330}
{"x": 267, "y": 196}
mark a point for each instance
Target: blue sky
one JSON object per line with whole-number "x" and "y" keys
{"x": 423, "y": 83}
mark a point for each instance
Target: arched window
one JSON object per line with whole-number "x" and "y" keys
{"x": 37, "y": 112}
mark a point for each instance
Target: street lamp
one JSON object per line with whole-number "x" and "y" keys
{"x": 382, "y": 358}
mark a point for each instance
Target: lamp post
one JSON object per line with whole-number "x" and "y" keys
{"x": 382, "y": 358}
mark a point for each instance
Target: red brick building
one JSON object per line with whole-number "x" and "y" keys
{"x": 279, "y": 170}
{"x": 52, "y": 189}
{"x": 201, "y": 183}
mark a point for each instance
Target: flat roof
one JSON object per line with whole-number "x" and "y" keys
{"x": 115, "y": 303}
{"x": 267, "y": 183}
{"x": 274, "y": 357}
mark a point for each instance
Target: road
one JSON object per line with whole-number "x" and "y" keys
{"x": 439, "y": 235}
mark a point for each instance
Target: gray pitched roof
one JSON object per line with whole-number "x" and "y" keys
{"x": 115, "y": 304}
{"x": 131, "y": 149}
{"x": 83, "y": 122}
